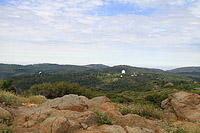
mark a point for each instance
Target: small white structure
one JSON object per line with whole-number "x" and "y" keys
{"x": 121, "y": 76}
{"x": 134, "y": 75}
{"x": 123, "y": 71}
{"x": 40, "y": 73}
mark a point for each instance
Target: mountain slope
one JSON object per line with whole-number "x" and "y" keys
{"x": 97, "y": 66}
{"x": 130, "y": 69}
{"x": 186, "y": 70}
{"x": 10, "y": 70}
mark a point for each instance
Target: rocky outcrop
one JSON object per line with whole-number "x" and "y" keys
{"x": 55, "y": 124}
{"x": 73, "y": 113}
{"x": 103, "y": 105}
{"x": 185, "y": 105}
{"x": 68, "y": 102}
{"x": 103, "y": 129}
{"x": 134, "y": 130}
{"x": 190, "y": 126}
{"x": 136, "y": 121}
{"x": 87, "y": 117}
{"x": 113, "y": 129}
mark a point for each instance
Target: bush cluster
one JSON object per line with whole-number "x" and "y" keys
{"x": 59, "y": 89}
{"x": 103, "y": 119}
{"x": 145, "y": 110}
{"x": 7, "y": 85}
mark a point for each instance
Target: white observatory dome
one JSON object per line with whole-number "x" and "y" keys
{"x": 123, "y": 71}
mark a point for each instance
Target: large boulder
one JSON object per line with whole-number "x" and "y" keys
{"x": 39, "y": 114}
{"x": 87, "y": 117}
{"x": 68, "y": 102}
{"x": 113, "y": 129}
{"x": 56, "y": 124}
{"x": 185, "y": 105}
{"x": 137, "y": 122}
{"x": 104, "y": 129}
{"x": 103, "y": 105}
{"x": 188, "y": 126}
{"x": 29, "y": 117}
{"x": 134, "y": 130}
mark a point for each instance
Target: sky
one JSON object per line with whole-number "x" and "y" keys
{"x": 145, "y": 33}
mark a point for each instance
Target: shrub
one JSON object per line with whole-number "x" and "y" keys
{"x": 8, "y": 98}
{"x": 5, "y": 124}
{"x": 11, "y": 99}
{"x": 7, "y": 85}
{"x": 145, "y": 110}
{"x": 6, "y": 120}
{"x": 124, "y": 110}
{"x": 181, "y": 130}
{"x": 156, "y": 98}
{"x": 118, "y": 98}
{"x": 37, "y": 99}
{"x": 59, "y": 89}
{"x": 5, "y": 129}
{"x": 103, "y": 119}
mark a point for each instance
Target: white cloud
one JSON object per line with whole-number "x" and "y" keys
{"x": 196, "y": 10}
{"x": 157, "y": 3}
{"x": 42, "y": 24}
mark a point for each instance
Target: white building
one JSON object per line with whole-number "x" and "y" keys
{"x": 123, "y": 71}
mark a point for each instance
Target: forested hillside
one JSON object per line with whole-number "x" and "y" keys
{"x": 110, "y": 81}
{"x": 98, "y": 77}
{"x": 97, "y": 66}
{"x": 186, "y": 70}
{"x": 130, "y": 69}
{"x": 138, "y": 91}
{"x": 11, "y": 70}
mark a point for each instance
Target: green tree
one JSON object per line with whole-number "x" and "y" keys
{"x": 7, "y": 85}
{"x": 59, "y": 89}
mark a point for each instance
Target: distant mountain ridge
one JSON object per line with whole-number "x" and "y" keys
{"x": 186, "y": 70}
{"x": 10, "y": 70}
{"x": 97, "y": 66}
{"x": 130, "y": 69}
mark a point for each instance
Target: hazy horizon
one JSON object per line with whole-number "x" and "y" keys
{"x": 148, "y": 33}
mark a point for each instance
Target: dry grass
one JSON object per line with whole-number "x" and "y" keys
{"x": 186, "y": 127}
{"x": 8, "y": 98}
{"x": 6, "y": 129}
{"x": 11, "y": 99}
{"x": 145, "y": 110}
{"x": 37, "y": 99}
{"x": 168, "y": 121}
